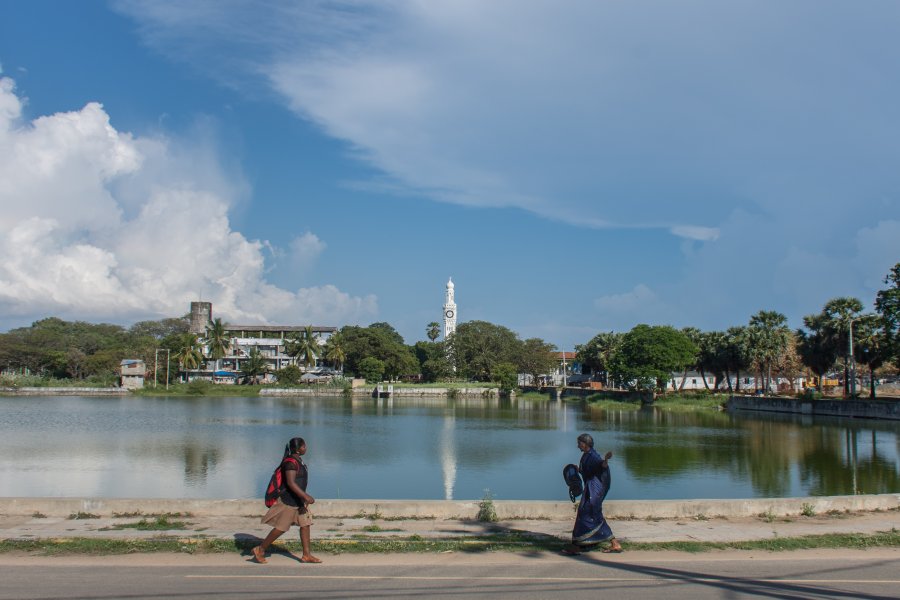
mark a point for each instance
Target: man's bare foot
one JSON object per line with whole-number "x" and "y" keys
{"x": 309, "y": 558}
{"x": 259, "y": 554}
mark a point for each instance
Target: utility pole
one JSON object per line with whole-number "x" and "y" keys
{"x": 852, "y": 362}
{"x": 852, "y": 355}
{"x": 156, "y": 367}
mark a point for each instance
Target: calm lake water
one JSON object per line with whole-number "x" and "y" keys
{"x": 427, "y": 449}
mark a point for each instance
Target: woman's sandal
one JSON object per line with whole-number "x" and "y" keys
{"x": 570, "y": 551}
{"x": 612, "y": 550}
{"x": 259, "y": 555}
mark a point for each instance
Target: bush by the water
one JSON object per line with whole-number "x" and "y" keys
{"x": 289, "y": 375}
{"x": 15, "y": 380}
{"x": 199, "y": 387}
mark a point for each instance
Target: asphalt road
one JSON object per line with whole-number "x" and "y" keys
{"x": 673, "y": 576}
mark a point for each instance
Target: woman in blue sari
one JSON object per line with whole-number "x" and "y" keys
{"x": 591, "y": 527}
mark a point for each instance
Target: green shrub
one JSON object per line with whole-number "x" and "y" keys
{"x": 289, "y": 375}
{"x": 198, "y": 387}
{"x": 487, "y": 513}
{"x": 371, "y": 369}
{"x": 811, "y": 394}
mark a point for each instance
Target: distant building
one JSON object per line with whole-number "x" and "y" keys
{"x": 201, "y": 316}
{"x": 271, "y": 340}
{"x": 131, "y": 373}
{"x": 692, "y": 380}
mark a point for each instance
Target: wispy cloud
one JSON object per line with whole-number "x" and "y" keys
{"x": 754, "y": 130}
{"x": 584, "y": 114}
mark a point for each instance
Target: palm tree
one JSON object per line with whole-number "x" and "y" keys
{"x": 305, "y": 347}
{"x": 768, "y": 336}
{"x": 871, "y": 346}
{"x": 737, "y": 354}
{"x": 189, "y": 352}
{"x": 217, "y": 342}
{"x": 433, "y": 330}
{"x": 840, "y": 314}
{"x": 818, "y": 348}
{"x": 255, "y": 365}
{"x": 334, "y": 351}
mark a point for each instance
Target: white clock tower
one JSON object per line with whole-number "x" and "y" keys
{"x": 449, "y": 310}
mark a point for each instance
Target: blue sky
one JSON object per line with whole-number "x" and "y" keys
{"x": 575, "y": 168}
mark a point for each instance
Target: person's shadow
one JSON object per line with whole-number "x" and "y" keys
{"x": 244, "y": 542}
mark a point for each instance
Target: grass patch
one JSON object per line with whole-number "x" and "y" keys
{"x": 38, "y": 515}
{"x": 533, "y": 396}
{"x": 361, "y": 544}
{"x": 376, "y": 529}
{"x": 374, "y": 516}
{"x": 767, "y": 516}
{"x": 82, "y": 515}
{"x": 159, "y": 523}
{"x": 843, "y": 541}
{"x": 197, "y": 388}
{"x": 807, "y": 510}
{"x": 603, "y": 402}
{"x": 691, "y": 401}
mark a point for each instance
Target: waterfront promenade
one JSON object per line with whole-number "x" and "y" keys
{"x": 633, "y": 521}
{"x": 530, "y": 569}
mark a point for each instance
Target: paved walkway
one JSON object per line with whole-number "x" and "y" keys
{"x": 636, "y": 530}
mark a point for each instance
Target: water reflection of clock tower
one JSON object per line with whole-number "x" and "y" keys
{"x": 449, "y": 310}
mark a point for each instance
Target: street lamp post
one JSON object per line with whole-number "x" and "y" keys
{"x": 852, "y": 360}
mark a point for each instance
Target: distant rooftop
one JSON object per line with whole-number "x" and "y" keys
{"x": 272, "y": 328}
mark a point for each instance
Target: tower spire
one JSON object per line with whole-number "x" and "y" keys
{"x": 449, "y": 309}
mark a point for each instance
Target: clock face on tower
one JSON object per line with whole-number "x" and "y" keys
{"x": 449, "y": 314}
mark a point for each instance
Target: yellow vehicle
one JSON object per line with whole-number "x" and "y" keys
{"x": 813, "y": 382}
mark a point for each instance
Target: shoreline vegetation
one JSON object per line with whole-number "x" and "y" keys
{"x": 686, "y": 401}
{"x": 845, "y": 349}
{"x": 692, "y": 400}
{"x": 514, "y": 541}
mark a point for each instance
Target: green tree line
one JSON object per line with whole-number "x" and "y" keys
{"x": 644, "y": 357}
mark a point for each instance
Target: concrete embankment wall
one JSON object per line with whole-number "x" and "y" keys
{"x": 398, "y": 392}
{"x": 458, "y": 509}
{"x": 865, "y": 409}
{"x": 64, "y": 391}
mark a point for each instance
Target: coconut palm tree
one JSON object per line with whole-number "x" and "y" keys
{"x": 189, "y": 352}
{"x": 217, "y": 342}
{"x": 433, "y": 330}
{"x": 334, "y": 352}
{"x": 255, "y": 365}
{"x": 305, "y": 347}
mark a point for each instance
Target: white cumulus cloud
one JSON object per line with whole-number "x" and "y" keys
{"x": 97, "y": 223}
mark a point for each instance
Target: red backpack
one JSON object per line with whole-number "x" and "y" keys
{"x": 276, "y": 483}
